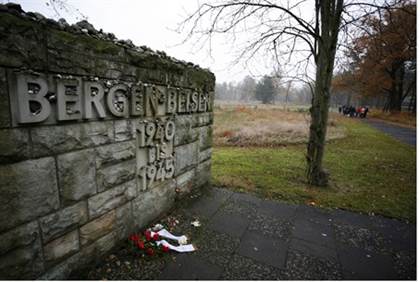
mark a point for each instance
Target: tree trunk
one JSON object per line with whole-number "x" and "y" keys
{"x": 386, "y": 106}
{"x": 319, "y": 118}
{"x": 287, "y": 95}
{"x": 396, "y": 97}
{"x": 412, "y": 105}
{"x": 414, "y": 108}
{"x": 330, "y": 15}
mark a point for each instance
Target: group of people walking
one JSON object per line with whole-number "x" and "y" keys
{"x": 351, "y": 111}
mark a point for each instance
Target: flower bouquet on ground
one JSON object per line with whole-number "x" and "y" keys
{"x": 151, "y": 243}
{"x": 146, "y": 244}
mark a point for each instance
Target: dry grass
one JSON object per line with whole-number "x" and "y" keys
{"x": 265, "y": 126}
{"x": 402, "y": 118}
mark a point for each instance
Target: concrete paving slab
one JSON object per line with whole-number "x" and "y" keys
{"x": 229, "y": 223}
{"x": 190, "y": 268}
{"x": 317, "y": 233}
{"x": 263, "y": 249}
{"x": 313, "y": 249}
{"x": 362, "y": 265}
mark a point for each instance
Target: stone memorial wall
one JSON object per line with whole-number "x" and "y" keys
{"x": 98, "y": 138}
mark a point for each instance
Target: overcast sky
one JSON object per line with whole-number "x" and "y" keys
{"x": 152, "y": 23}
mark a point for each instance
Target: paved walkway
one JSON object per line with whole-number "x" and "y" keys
{"x": 245, "y": 238}
{"x": 405, "y": 135}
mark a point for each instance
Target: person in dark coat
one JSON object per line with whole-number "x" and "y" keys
{"x": 366, "y": 111}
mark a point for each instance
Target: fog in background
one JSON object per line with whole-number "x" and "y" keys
{"x": 245, "y": 91}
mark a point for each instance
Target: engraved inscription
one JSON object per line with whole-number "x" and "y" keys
{"x": 77, "y": 98}
{"x": 155, "y": 153}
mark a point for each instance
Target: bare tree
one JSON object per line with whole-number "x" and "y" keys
{"x": 281, "y": 29}
{"x": 62, "y": 8}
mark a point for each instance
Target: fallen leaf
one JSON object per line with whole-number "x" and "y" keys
{"x": 196, "y": 223}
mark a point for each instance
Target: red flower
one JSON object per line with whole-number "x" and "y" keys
{"x": 134, "y": 237}
{"x": 140, "y": 244}
{"x": 150, "y": 251}
{"x": 155, "y": 236}
{"x": 148, "y": 235}
{"x": 165, "y": 249}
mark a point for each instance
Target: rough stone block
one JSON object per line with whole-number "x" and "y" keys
{"x": 112, "y": 198}
{"x": 98, "y": 248}
{"x": 60, "y": 222}
{"x": 18, "y": 237}
{"x": 49, "y": 140}
{"x": 204, "y": 119}
{"x": 199, "y": 78}
{"x": 61, "y": 247}
{"x": 97, "y": 228}
{"x": 4, "y": 101}
{"x": 21, "y": 252}
{"x": 203, "y": 174}
{"x": 29, "y": 190}
{"x": 22, "y": 43}
{"x": 125, "y": 221}
{"x": 186, "y": 156}
{"x": 76, "y": 175}
{"x": 65, "y": 41}
{"x": 81, "y": 64}
{"x": 150, "y": 204}
{"x": 114, "y": 153}
{"x": 205, "y": 137}
{"x": 21, "y": 264}
{"x": 185, "y": 133}
{"x": 97, "y": 133}
{"x": 185, "y": 182}
{"x": 84, "y": 64}
{"x": 14, "y": 145}
{"x": 116, "y": 174}
{"x": 123, "y": 130}
{"x": 204, "y": 155}
{"x": 62, "y": 270}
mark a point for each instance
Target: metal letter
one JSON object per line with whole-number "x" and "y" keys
{"x": 117, "y": 100}
{"x": 171, "y": 100}
{"x": 137, "y": 100}
{"x": 69, "y": 100}
{"x": 25, "y": 96}
{"x": 93, "y": 94}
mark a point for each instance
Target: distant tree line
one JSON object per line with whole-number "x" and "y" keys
{"x": 267, "y": 90}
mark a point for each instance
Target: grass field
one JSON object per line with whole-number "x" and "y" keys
{"x": 370, "y": 171}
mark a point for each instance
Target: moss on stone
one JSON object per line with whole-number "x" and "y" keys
{"x": 7, "y": 19}
{"x": 88, "y": 42}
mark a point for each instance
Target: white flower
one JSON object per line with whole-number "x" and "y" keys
{"x": 183, "y": 240}
{"x": 157, "y": 227}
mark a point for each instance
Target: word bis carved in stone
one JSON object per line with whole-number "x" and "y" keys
{"x": 155, "y": 151}
{"x": 48, "y": 99}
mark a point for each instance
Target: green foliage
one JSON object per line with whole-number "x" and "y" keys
{"x": 370, "y": 173}
{"x": 265, "y": 90}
